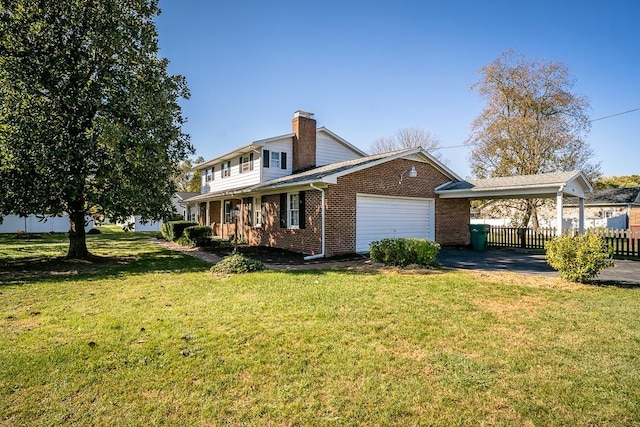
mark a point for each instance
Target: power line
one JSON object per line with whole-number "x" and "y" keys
{"x": 591, "y": 121}
{"x": 617, "y": 114}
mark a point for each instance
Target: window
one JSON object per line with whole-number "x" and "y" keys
{"x": 246, "y": 163}
{"x": 226, "y": 167}
{"x": 275, "y": 159}
{"x": 258, "y": 213}
{"x": 292, "y": 210}
{"x": 228, "y": 212}
{"x": 209, "y": 175}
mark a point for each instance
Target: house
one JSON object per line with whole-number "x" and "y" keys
{"x": 39, "y": 224}
{"x": 617, "y": 208}
{"x": 181, "y": 208}
{"x": 310, "y": 191}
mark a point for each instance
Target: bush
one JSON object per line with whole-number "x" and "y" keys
{"x": 402, "y": 252}
{"x": 579, "y": 258}
{"x": 197, "y": 235}
{"x": 237, "y": 263}
{"x": 172, "y": 230}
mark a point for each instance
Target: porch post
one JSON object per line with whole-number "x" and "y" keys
{"x": 581, "y": 215}
{"x": 559, "y": 209}
{"x": 207, "y": 214}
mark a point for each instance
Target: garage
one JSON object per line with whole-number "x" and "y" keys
{"x": 379, "y": 217}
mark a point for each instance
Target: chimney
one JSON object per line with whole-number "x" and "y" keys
{"x": 304, "y": 141}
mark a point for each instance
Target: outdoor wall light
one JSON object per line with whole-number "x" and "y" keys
{"x": 412, "y": 173}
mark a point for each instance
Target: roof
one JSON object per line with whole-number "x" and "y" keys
{"x": 182, "y": 195}
{"x": 258, "y": 144}
{"x": 330, "y": 173}
{"x": 612, "y": 197}
{"x": 572, "y": 183}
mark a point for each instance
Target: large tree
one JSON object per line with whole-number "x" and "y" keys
{"x": 189, "y": 179}
{"x": 89, "y": 116}
{"x": 532, "y": 123}
{"x": 408, "y": 138}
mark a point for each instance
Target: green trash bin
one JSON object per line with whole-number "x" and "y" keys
{"x": 479, "y": 233}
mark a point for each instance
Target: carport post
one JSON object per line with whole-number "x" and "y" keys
{"x": 559, "y": 213}
{"x": 581, "y": 215}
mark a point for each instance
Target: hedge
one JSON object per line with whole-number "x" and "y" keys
{"x": 402, "y": 252}
{"x": 173, "y": 230}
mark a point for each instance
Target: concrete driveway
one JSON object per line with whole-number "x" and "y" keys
{"x": 625, "y": 273}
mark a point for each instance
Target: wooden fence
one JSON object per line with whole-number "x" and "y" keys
{"x": 624, "y": 242}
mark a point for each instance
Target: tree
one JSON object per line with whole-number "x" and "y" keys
{"x": 625, "y": 181}
{"x": 189, "y": 179}
{"x": 532, "y": 123}
{"x": 408, "y": 138}
{"x": 89, "y": 116}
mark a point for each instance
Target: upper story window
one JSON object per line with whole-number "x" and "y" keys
{"x": 226, "y": 169}
{"x": 208, "y": 175}
{"x": 274, "y": 159}
{"x": 246, "y": 163}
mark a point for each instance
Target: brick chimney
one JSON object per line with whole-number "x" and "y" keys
{"x": 304, "y": 141}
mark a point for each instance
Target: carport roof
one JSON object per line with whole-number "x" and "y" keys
{"x": 546, "y": 185}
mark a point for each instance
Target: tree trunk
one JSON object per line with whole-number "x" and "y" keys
{"x": 527, "y": 214}
{"x": 77, "y": 236}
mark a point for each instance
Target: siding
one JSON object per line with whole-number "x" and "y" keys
{"x": 282, "y": 146}
{"x": 235, "y": 178}
{"x": 328, "y": 151}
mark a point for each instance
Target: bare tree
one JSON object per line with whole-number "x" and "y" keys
{"x": 408, "y": 138}
{"x": 532, "y": 123}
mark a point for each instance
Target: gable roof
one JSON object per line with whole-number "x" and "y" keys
{"x": 329, "y": 174}
{"x": 342, "y": 141}
{"x": 572, "y": 183}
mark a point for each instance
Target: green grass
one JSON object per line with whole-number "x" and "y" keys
{"x": 157, "y": 340}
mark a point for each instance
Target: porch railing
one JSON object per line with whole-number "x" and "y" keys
{"x": 624, "y": 242}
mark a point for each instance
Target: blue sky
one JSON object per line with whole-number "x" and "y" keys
{"x": 369, "y": 68}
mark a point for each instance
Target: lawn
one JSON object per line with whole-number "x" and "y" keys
{"x": 149, "y": 337}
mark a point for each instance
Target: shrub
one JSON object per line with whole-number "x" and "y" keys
{"x": 94, "y": 231}
{"x": 402, "y": 252}
{"x": 197, "y": 235}
{"x": 579, "y": 258}
{"x": 172, "y": 230}
{"x": 237, "y": 263}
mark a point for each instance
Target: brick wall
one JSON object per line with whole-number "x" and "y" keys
{"x": 307, "y": 240}
{"x": 304, "y": 143}
{"x": 452, "y": 216}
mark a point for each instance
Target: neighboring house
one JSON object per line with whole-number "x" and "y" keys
{"x": 34, "y": 224}
{"x": 617, "y": 208}
{"x": 312, "y": 192}
{"x": 179, "y": 205}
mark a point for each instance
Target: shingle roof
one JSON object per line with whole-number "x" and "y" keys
{"x": 512, "y": 182}
{"x": 611, "y": 196}
{"x": 318, "y": 174}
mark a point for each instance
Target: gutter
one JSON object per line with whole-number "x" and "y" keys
{"x": 320, "y": 255}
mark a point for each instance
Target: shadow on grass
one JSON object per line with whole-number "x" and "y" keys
{"x": 120, "y": 255}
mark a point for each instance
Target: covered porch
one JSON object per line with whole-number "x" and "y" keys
{"x": 223, "y": 214}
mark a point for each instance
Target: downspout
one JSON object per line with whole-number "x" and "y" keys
{"x": 320, "y": 255}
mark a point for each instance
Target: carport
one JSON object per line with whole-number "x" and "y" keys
{"x": 539, "y": 186}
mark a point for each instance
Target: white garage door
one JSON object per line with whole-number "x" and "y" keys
{"x": 379, "y": 217}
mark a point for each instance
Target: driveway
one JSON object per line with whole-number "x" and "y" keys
{"x": 625, "y": 273}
